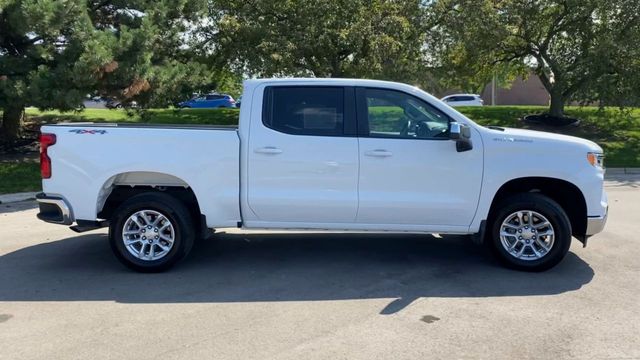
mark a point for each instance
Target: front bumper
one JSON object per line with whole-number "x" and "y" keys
{"x": 596, "y": 224}
{"x": 54, "y": 209}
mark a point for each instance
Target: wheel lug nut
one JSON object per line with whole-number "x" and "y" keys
{"x": 144, "y": 238}
{"x": 155, "y": 230}
{"x": 157, "y": 237}
{"x": 149, "y": 227}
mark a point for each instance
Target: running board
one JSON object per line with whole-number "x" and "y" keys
{"x": 88, "y": 225}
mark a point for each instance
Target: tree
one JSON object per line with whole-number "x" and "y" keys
{"x": 321, "y": 38}
{"x": 572, "y": 45}
{"x": 27, "y": 43}
{"x": 55, "y": 52}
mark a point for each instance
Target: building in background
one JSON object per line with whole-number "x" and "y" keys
{"x": 522, "y": 92}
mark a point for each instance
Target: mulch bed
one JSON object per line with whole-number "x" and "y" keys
{"x": 27, "y": 146}
{"x": 548, "y": 120}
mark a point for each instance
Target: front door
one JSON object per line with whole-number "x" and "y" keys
{"x": 410, "y": 172}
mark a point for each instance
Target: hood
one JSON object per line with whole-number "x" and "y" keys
{"x": 522, "y": 135}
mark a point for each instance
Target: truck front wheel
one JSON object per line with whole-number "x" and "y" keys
{"x": 152, "y": 231}
{"x": 530, "y": 232}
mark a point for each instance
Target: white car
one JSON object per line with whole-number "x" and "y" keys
{"x": 325, "y": 154}
{"x": 463, "y": 100}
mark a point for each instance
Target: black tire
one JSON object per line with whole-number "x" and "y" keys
{"x": 174, "y": 210}
{"x": 545, "y": 207}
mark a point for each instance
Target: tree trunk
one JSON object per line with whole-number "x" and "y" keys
{"x": 557, "y": 104}
{"x": 336, "y": 72}
{"x": 12, "y": 122}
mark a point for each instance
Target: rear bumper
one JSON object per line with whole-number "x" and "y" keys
{"x": 54, "y": 209}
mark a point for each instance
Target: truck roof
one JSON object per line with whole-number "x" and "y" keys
{"x": 336, "y": 81}
{"x": 253, "y": 83}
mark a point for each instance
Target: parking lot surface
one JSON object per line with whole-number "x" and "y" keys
{"x": 257, "y": 295}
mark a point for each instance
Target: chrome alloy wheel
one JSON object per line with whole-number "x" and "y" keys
{"x": 148, "y": 235}
{"x": 527, "y": 235}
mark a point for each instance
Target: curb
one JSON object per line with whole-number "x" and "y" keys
{"x": 11, "y": 198}
{"x": 622, "y": 171}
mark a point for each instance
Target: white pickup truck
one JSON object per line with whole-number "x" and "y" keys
{"x": 325, "y": 154}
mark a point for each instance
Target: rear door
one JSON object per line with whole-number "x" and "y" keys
{"x": 303, "y": 157}
{"x": 410, "y": 172}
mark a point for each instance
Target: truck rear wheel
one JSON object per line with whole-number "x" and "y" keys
{"x": 530, "y": 232}
{"x": 152, "y": 231}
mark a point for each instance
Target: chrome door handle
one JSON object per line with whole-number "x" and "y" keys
{"x": 268, "y": 150}
{"x": 378, "y": 153}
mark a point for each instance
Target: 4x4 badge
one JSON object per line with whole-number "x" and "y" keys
{"x": 91, "y": 132}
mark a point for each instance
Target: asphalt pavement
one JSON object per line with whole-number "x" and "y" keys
{"x": 259, "y": 295}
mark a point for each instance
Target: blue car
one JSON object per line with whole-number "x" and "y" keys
{"x": 209, "y": 101}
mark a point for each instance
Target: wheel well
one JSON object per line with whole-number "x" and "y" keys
{"x": 120, "y": 193}
{"x": 566, "y": 194}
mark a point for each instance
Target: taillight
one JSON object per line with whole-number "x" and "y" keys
{"x": 46, "y": 140}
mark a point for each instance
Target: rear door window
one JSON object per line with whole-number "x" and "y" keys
{"x": 302, "y": 110}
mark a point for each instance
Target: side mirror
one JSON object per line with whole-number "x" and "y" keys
{"x": 461, "y": 134}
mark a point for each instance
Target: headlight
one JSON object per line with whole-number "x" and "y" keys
{"x": 596, "y": 159}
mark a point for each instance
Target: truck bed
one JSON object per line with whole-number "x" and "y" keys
{"x": 89, "y": 159}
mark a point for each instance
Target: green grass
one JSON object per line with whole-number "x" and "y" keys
{"x": 152, "y": 116}
{"x": 19, "y": 177}
{"x": 617, "y": 131}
